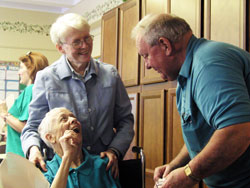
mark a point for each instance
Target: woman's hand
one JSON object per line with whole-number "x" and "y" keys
{"x": 36, "y": 158}
{"x": 3, "y": 107}
{"x": 70, "y": 143}
{"x": 113, "y": 161}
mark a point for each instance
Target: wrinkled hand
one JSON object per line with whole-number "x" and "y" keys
{"x": 161, "y": 172}
{"x": 69, "y": 143}
{"x": 36, "y": 158}
{"x": 113, "y": 161}
{"x": 3, "y": 107}
{"x": 177, "y": 179}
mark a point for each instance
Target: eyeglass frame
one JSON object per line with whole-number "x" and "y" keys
{"x": 77, "y": 44}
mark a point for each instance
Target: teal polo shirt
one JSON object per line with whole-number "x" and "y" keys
{"x": 213, "y": 92}
{"x": 90, "y": 174}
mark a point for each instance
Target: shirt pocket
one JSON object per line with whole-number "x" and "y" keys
{"x": 190, "y": 132}
{"x": 107, "y": 137}
{"x": 105, "y": 100}
{"x": 60, "y": 99}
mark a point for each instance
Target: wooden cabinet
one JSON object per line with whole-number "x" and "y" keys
{"x": 225, "y": 21}
{"x": 152, "y": 131}
{"x": 190, "y": 11}
{"x": 128, "y": 56}
{"x": 120, "y": 49}
{"x": 109, "y": 48}
{"x": 152, "y": 6}
{"x": 134, "y": 101}
{"x": 173, "y": 131}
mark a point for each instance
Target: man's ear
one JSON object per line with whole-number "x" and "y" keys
{"x": 51, "y": 138}
{"x": 60, "y": 48}
{"x": 166, "y": 44}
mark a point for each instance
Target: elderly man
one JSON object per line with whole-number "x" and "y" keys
{"x": 213, "y": 100}
{"x": 72, "y": 166}
{"x": 92, "y": 90}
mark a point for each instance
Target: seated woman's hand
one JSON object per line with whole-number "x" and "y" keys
{"x": 70, "y": 142}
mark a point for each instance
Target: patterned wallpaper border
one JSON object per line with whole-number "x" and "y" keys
{"x": 91, "y": 16}
{"x": 97, "y": 13}
{"x": 23, "y": 27}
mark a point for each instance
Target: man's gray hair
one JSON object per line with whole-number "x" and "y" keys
{"x": 154, "y": 26}
{"x": 59, "y": 29}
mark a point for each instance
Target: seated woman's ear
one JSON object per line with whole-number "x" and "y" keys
{"x": 51, "y": 138}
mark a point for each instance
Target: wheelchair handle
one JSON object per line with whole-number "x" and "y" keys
{"x": 139, "y": 150}
{"x": 136, "y": 149}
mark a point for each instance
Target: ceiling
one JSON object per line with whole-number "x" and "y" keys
{"x": 53, "y": 6}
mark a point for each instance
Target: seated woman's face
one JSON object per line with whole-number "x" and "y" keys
{"x": 64, "y": 121}
{"x": 24, "y": 76}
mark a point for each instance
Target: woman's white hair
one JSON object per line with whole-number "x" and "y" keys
{"x": 59, "y": 29}
{"x": 47, "y": 126}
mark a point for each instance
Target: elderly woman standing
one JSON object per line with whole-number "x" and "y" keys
{"x": 17, "y": 116}
{"x": 91, "y": 89}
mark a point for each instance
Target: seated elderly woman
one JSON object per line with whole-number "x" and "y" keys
{"x": 72, "y": 166}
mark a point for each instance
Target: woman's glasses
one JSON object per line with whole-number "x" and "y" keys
{"x": 78, "y": 43}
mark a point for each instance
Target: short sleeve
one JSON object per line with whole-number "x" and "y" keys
{"x": 221, "y": 94}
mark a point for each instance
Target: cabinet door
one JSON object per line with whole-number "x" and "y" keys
{"x": 225, "y": 21}
{"x": 190, "y": 11}
{"x": 152, "y": 131}
{"x": 174, "y": 132}
{"x": 152, "y": 6}
{"x": 128, "y": 56}
{"x": 110, "y": 37}
{"x": 134, "y": 101}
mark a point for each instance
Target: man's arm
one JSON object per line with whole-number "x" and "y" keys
{"x": 225, "y": 146}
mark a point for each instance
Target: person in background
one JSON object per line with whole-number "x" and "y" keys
{"x": 212, "y": 93}
{"x": 18, "y": 114}
{"x": 72, "y": 165}
{"x": 90, "y": 89}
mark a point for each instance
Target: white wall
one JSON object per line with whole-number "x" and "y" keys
{"x": 16, "y": 40}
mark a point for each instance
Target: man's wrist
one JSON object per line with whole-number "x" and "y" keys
{"x": 190, "y": 174}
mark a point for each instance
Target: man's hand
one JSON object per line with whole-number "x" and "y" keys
{"x": 162, "y": 171}
{"x": 176, "y": 179}
{"x": 113, "y": 161}
{"x": 36, "y": 158}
